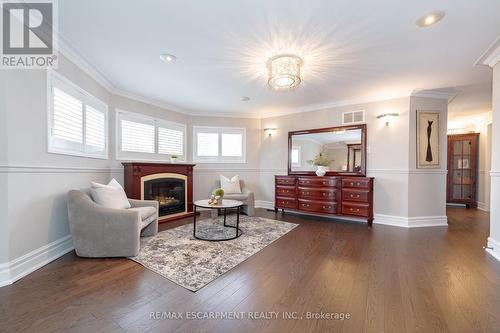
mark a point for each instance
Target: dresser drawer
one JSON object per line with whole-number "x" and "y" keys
{"x": 357, "y": 209}
{"x": 286, "y": 203}
{"x": 318, "y": 206}
{"x": 284, "y": 180}
{"x": 318, "y": 181}
{"x": 285, "y": 191}
{"x": 318, "y": 193}
{"x": 349, "y": 194}
{"x": 356, "y": 183}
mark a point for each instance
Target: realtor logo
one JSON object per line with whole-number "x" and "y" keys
{"x": 28, "y": 34}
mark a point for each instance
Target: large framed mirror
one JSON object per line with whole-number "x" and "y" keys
{"x": 335, "y": 150}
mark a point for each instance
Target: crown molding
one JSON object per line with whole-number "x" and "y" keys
{"x": 340, "y": 103}
{"x": 447, "y": 95}
{"x": 491, "y": 56}
{"x": 69, "y": 52}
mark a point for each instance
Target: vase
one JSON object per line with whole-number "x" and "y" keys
{"x": 219, "y": 201}
{"x": 321, "y": 171}
{"x": 173, "y": 159}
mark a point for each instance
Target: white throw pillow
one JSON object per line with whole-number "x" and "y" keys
{"x": 109, "y": 196}
{"x": 230, "y": 185}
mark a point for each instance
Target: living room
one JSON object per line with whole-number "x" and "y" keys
{"x": 264, "y": 166}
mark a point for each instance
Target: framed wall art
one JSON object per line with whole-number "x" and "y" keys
{"x": 428, "y": 140}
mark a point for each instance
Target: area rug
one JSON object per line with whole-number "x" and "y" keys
{"x": 192, "y": 264}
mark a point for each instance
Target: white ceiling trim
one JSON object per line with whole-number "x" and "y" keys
{"x": 491, "y": 56}
{"x": 70, "y": 52}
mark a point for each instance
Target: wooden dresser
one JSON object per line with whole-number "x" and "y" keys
{"x": 330, "y": 196}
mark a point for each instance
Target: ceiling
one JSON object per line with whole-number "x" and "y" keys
{"x": 352, "y": 50}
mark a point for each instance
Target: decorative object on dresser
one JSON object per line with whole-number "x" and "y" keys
{"x": 462, "y": 169}
{"x": 343, "y": 191}
{"x": 330, "y": 196}
{"x": 169, "y": 184}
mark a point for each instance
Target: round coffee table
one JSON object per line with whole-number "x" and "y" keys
{"x": 226, "y": 203}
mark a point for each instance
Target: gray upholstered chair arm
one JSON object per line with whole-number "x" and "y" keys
{"x": 98, "y": 231}
{"x": 143, "y": 203}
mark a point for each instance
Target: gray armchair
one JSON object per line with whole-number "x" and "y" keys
{"x": 246, "y": 196}
{"x": 105, "y": 232}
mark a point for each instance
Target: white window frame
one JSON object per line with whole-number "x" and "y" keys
{"x": 56, "y": 80}
{"x": 220, "y": 131}
{"x": 298, "y": 148}
{"x": 157, "y": 122}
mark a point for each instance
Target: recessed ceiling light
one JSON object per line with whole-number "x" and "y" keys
{"x": 245, "y": 99}
{"x": 430, "y": 19}
{"x": 168, "y": 58}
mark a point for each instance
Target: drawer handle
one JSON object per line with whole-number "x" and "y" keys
{"x": 357, "y": 210}
{"x": 327, "y": 207}
{"x": 305, "y": 205}
{"x": 352, "y": 184}
{"x": 324, "y": 183}
{"x": 358, "y": 184}
{"x": 357, "y": 196}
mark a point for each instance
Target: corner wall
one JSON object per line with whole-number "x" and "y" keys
{"x": 494, "y": 239}
{"x": 427, "y": 187}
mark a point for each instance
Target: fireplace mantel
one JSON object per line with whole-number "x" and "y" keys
{"x": 136, "y": 173}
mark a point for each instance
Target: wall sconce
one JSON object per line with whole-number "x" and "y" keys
{"x": 269, "y": 130}
{"x": 388, "y": 117}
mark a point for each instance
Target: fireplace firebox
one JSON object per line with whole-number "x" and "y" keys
{"x": 169, "y": 192}
{"x": 169, "y": 184}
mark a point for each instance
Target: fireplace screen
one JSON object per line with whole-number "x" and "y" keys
{"x": 169, "y": 192}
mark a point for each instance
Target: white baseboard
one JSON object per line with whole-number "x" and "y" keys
{"x": 482, "y": 206}
{"x": 495, "y": 248}
{"x": 14, "y": 270}
{"x": 411, "y": 222}
{"x": 264, "y": 204}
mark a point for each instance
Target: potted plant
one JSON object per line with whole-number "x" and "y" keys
{"x": 322, "y": 162}
{"x": 173, "y": 158}
{"x": 218, "y": 195}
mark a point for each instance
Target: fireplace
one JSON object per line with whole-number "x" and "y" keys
{"x": 168, "y": 189}
{"x": 169, "y": 184}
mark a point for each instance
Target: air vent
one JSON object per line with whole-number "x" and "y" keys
{"x": 353, "y": 117}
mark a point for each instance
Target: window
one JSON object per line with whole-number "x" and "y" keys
{"x": 295, "y": 156}
{"x": 219, "y": 144}
{"x": 77, "y": 121}
{"x": 146, "y": 138}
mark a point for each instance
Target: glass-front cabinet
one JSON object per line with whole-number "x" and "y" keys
{"x": 462, "y": 169}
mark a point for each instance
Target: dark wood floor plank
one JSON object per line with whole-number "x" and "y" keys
{"x": 389, "y": 279}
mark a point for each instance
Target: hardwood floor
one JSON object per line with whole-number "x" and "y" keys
{"x": 387, "y": 279}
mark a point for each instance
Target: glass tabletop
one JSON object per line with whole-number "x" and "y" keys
{"x": 226, "y": 203}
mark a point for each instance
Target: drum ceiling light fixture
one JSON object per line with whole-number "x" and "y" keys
{"x": 284, "y": 72}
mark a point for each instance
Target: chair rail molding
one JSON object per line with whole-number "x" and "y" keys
{"x": 55, "y": 169}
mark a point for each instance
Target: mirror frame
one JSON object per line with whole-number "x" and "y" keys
{"x": 362, "y": 172}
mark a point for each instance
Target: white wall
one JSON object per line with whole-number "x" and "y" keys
{"x": 391, "y": 174}
{"x": 494, "y": 239}
{"x": 427, "y": 187}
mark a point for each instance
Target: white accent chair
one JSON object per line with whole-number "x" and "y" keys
{"x": 246, "y": 196}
